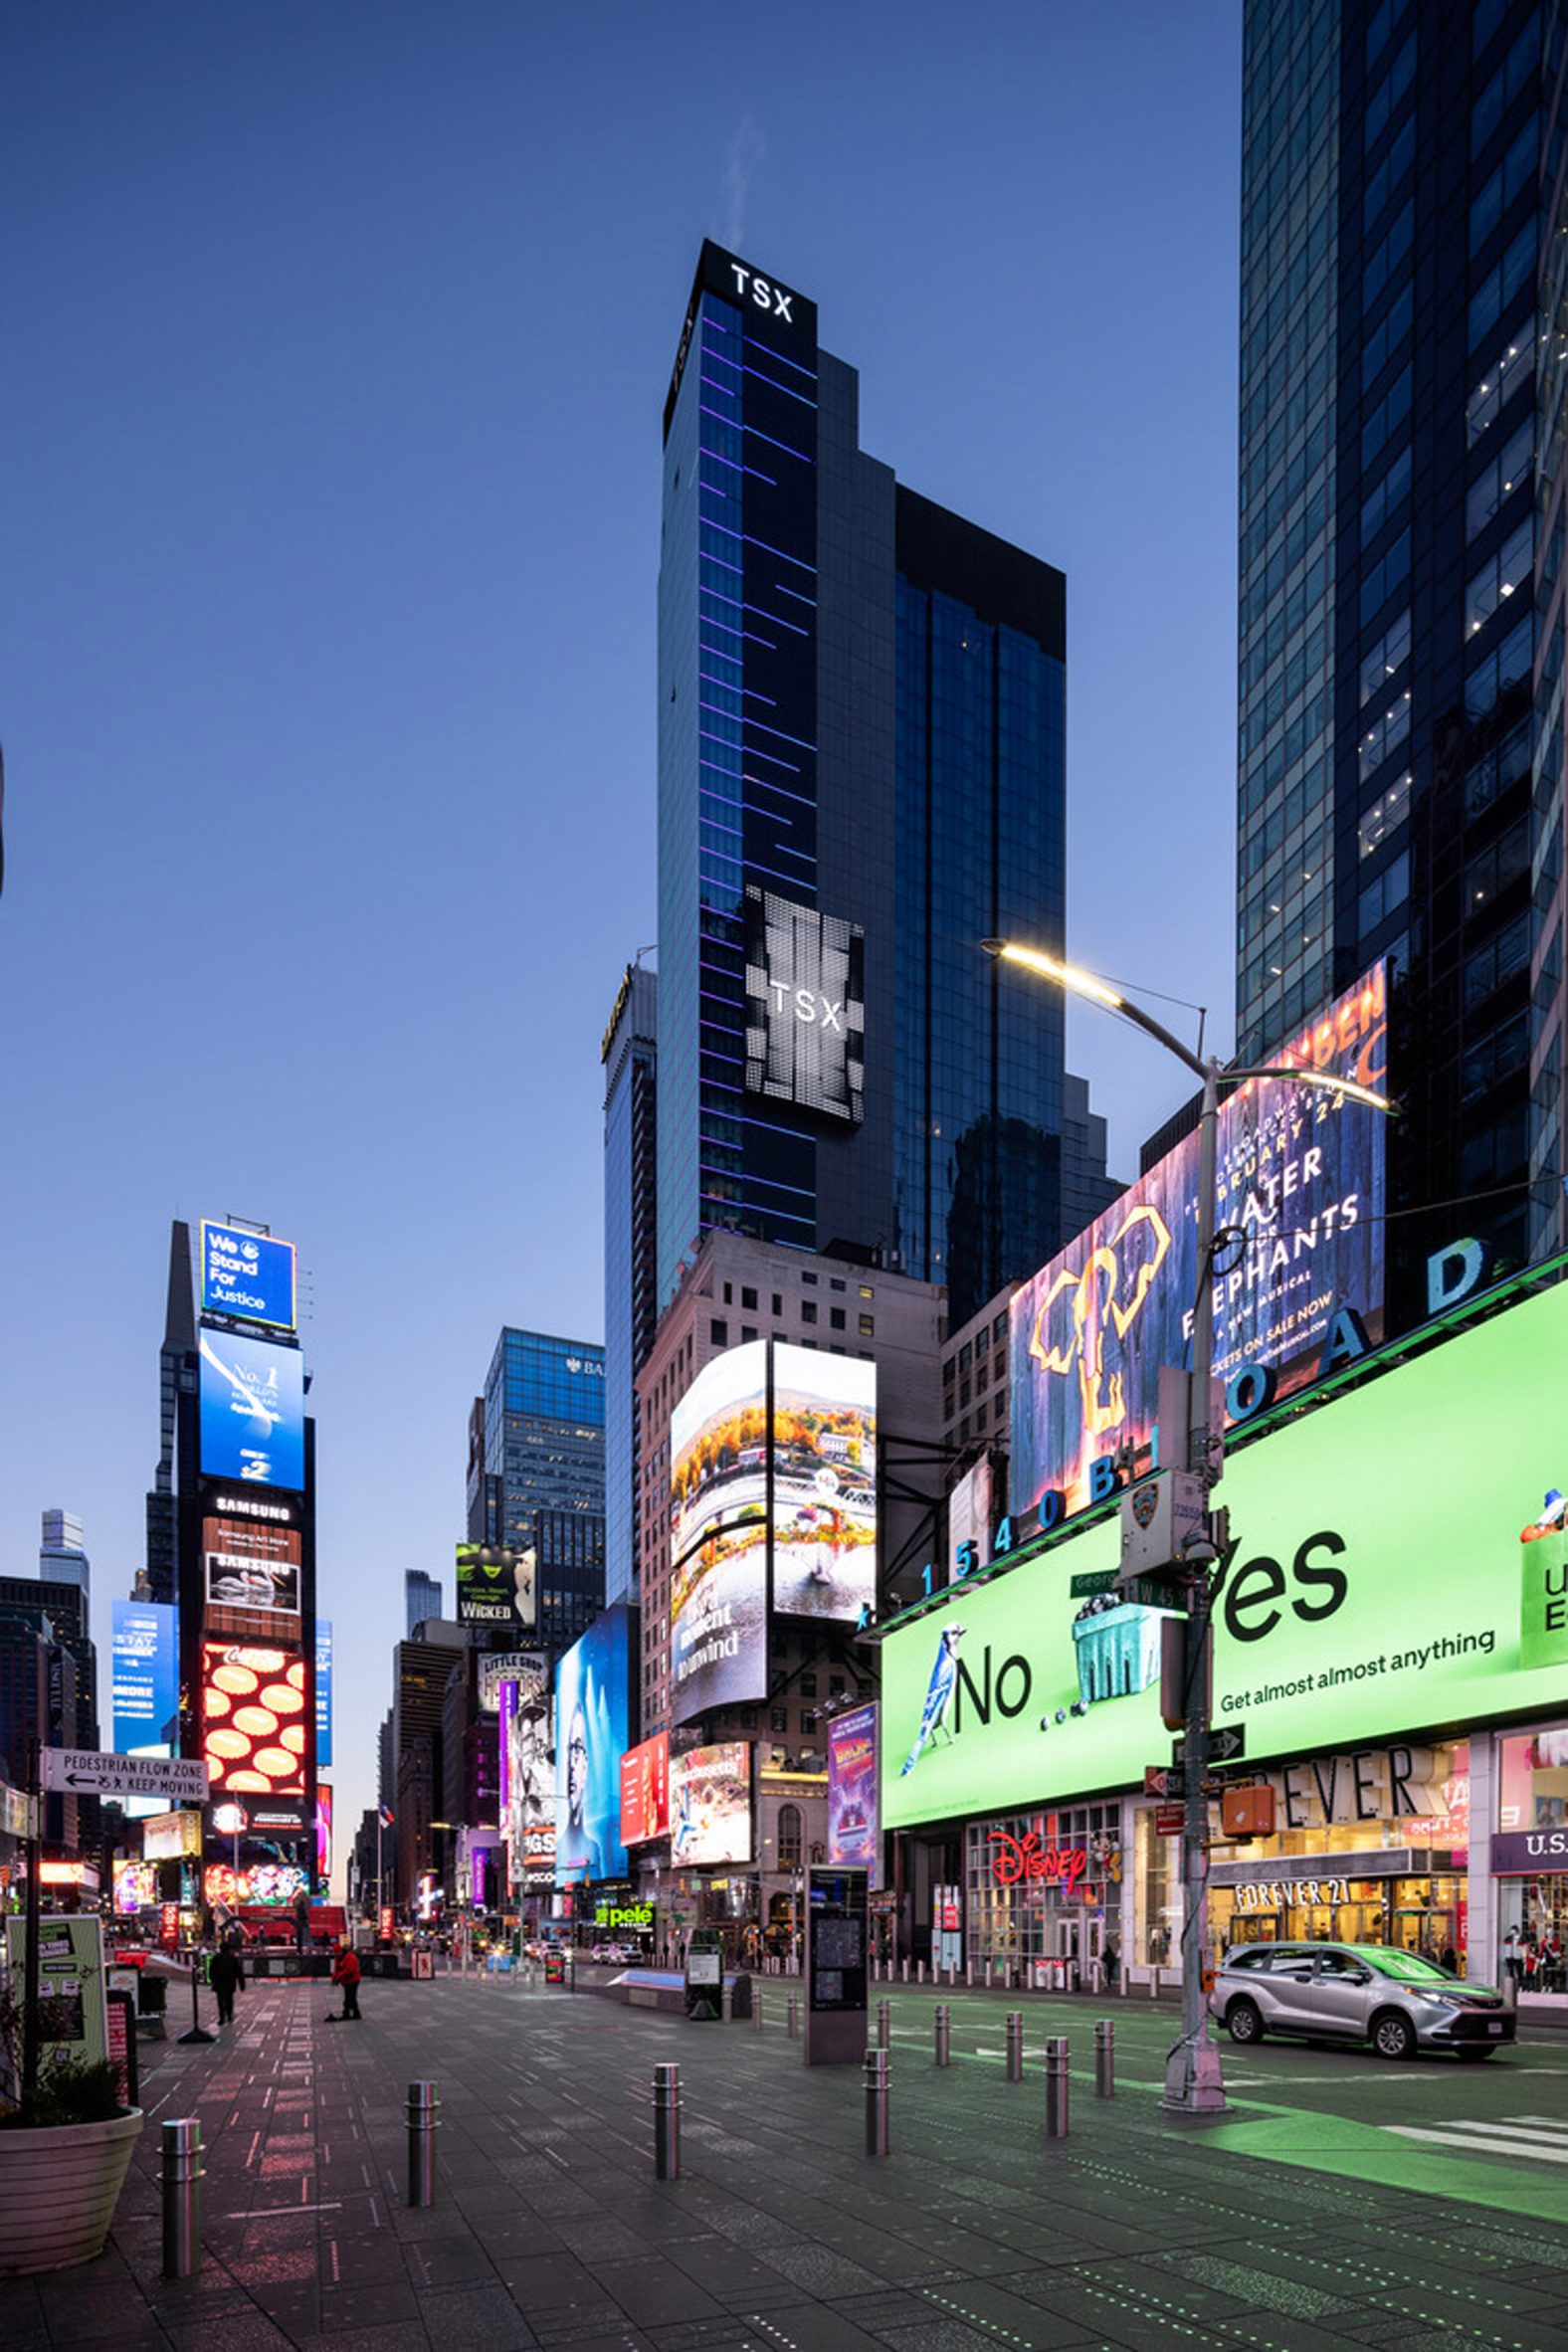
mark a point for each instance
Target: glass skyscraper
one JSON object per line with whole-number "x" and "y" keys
{"x": 861, "y": 778}
{"x": 545, "y": 1470}
{"x": 1401, "y": 614}
{"x": 630, "y": 1303}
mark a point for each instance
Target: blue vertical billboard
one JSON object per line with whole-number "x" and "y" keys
{"x": 324, "y": 1692}
{"x": 145, "y": 1684}
{"x": 252, "y": 1411}
{"x": 248, "y": 1276}
{"x": 593, "y": 1685}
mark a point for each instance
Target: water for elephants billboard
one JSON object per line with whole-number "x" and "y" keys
{"x": 1300, "y": 1187}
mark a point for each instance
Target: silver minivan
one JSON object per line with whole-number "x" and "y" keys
{"x": 1373, "y": 1993}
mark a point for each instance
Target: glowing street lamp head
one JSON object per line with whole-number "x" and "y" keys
{"x": 1034, "y": 959}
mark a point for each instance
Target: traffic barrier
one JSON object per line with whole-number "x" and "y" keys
{"x": 1056, "y": 2087}
{"x": 667, "y": 2124}
{"x": 876, "y": 2098}
{"x": 182, "y": 2177}
{"x": 423, "y": 2110}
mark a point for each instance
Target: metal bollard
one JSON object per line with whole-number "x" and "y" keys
{"x": 1056, "y": 2087}
{"x": 1015, "y": 2045}
{"x": 182, "y": 2174}
{"x": 667, "y": 2124}
{"x": 876, "y": 2082}
{"x": 1104, "y": 2059}
{"x": 726, "y": 2001}
{"x": 423, "y": 2108}
{"x": 793, "y": 2017}
{"x": 944, "y": 2038}
{"x": 1154, "y": 1984}
{"x": 906, "y": 1968}
{"x": 884, "y": 2024}
{"x": 920, "y": 1972}
{"x": 969, "y": 1974}
{"x": 988, "y": 1976}
{"x": 756, "y": 2008}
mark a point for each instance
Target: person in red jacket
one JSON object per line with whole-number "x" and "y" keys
{"x": 345, "y": 1972}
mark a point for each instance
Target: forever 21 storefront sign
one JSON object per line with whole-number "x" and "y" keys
{"x": 1375, "y": 1583}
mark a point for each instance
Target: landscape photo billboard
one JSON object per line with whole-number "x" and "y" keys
{"x": 248, "y": 1276}
{"x": 718, "y": 1477}
{"x": 853, "y": 1839}
{"x": 251, "y": 1565}
{"x": 593, "y": 1688}
{"x": 1301, "y": 1179}
{"x": 710, "y": 1805}
{"x": 824, "y": 1483}
{"x": 1360, "y": 1598}
{"x": 645, "y": 1791}
{"x": 252, "y": 1410}
{"x": 255, "y": 1709}
{"x": 498, "y": 1585}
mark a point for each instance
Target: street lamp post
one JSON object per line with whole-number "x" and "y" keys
{"x": 1193, "y": 2080}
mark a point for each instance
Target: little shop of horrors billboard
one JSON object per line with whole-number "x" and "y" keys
{"x": 1300, "y": 1181}
{"x": 1397, "y": 1561}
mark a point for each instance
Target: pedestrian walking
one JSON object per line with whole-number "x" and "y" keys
{"x": 302, "y": 1920}
{"x": 227, "y": 1976}
{"x": 345, "y": 1972}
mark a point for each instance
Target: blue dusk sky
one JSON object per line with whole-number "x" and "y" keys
{"x": 336, "y": 343}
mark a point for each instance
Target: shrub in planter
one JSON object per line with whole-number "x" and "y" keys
{"x": 64, "y": 2154}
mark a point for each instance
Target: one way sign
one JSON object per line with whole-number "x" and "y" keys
{"x": 90, "y": 1772}
{"x": 1226, "y": 1741}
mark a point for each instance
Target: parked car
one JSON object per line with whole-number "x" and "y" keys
{"x": 1393, "y": 1999}
{"x": 615, "y": 1955}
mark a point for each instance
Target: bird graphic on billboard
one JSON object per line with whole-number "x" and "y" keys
{"x": 944, "y": 1674}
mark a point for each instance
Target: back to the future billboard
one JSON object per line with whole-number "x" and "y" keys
{"x": 1301, "y": 1183}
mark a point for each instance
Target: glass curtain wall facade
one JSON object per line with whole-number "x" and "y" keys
{"x": 862, "y": 720}
{"x": 1401, "y": 524}
{"x": 544, "y": 1447}
{"x": 630, "y": 1275}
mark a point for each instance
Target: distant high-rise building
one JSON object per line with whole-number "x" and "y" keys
{"x": 1402, "y": 592}
{"x": 62, "y": 1555}
{"x": 862, "y": 736}
{"x": 544, "y": 1456}
{"x": 630, "y": 1273}
{"x": 422, "y": 1599}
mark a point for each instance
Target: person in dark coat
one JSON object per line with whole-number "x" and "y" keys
{"x": 226, "y": 1975}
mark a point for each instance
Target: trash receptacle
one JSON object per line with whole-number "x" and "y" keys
{"x": 740, "y": 1998}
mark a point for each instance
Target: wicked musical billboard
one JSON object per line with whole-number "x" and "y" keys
{"x": 1301, "y": 1188}
{"x": 1397, "y": 1562}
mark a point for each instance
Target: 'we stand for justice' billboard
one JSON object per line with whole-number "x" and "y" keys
{"x": 1397, "y": 1562}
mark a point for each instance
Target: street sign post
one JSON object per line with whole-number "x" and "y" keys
{"x": 180, "y": 1780}
{"x": 1227, "y": 1742}
{"x": 1168, "y": 1820}
{"x": 1162, "y": 1780}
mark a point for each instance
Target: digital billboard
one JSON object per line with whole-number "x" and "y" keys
{"x": 1361, "y": 1597}
{"x": 645, "y": 1791}
{"x": 505, "y": 1665}
{"x": 167, "y": 1837}
{"x": 263, "y": 1882}
{"x": 824, "y": 1483}
{"x": 1301, "y": 1186}
{"x": 805, "y": 1006}
{"x": 718, "y": 1448}
{"x": 593, "y": 1688}
{"x": 255, "y": 1710}
{"x": 251, "y": 1565}
{"x": 248, "y": 1276}
{"x": 323, "y": 1831}
{"x": 710, "y": 1805}
{"x": 527, "y": 1736}
{"x": 136, "y": 1887}
{"x": 718, "y": 1456}
{"x": 144, "y": 1640}
{"x": 252, "y": 1410}
{"x": 324, "y": 1692}
{"x": 497, "y": 1586}
{"x": 852, "y": 1791}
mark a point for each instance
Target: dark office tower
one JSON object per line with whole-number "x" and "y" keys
{"x": 860, "y": 777}
{"x": 631, "y": 1279}
{"x": 421, "y": 1600}
{"x": 545, "y": 1459}
{"x": 1401, "y": 623}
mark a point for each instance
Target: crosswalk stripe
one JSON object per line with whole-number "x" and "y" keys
{"x": 1526, "y": 2127}
{"x": 1472, "y": 2137}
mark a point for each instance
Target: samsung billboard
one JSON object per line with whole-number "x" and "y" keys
{"x": 1301, "y": 1188}
{"x": 1397, "y": 1562}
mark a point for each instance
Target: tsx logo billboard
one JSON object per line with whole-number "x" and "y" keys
{"x": 807, "y": 1005}
{"x": 764, "y": 294}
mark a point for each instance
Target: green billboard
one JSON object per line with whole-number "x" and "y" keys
{"x": 1398, "y": 1562}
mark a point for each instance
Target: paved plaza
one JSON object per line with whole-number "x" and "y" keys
{"x": 1347, "y": 2203}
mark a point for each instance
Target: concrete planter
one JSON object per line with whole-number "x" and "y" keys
{"x": 59, "y": 2187}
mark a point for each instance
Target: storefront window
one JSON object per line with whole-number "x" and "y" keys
{"x": 1046, "y": 1886}
{"x": 1531, "y": 1859}
{"x": 1156, "y": 1897}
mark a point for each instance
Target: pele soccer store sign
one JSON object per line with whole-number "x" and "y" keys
{"x": 1375, "y": 1584}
